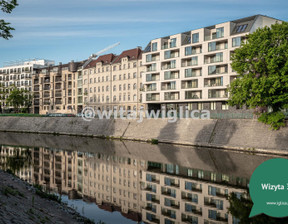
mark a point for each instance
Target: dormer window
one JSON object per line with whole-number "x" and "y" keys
{"x": 241, "y": 28}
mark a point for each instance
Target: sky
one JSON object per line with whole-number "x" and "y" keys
{"x": 65, "y": 30}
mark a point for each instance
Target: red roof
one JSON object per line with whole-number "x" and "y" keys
{"x": 106, "y": 59}
{"x": 92, "y": 64}
{"x": 132, "y": 54}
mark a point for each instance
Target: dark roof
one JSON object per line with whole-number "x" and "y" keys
{"x": 132, "y": 54}
{"x": 92, "y": 64}
{"x": 105, "y": 59}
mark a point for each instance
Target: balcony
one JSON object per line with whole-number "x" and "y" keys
{"x": 169, "y": 213}
{"x": 213, "y": 82}
{"x": 192, "y": 95}
{"x": 58, "y": 79}
{"x": 152, "y": 57}
{"x": 168, "y": 85}
{"x": 46, "y": 102}
{"x": 168, "y": 65}
{"x": 216, "y": 46}
{"x": 36, "y": 88}
{"x": 189, "y": 84}
{"x": 151, "y": 87}
{"x": 191, "y": 72}
{"x": 171, "y": 54}
{"x": 58, "y": 86}
{"x": 215, "y": 58}
{"x": 152, "y": 77}
{"x": 47, "y": 87}
{"x": 36, "y": 102}
{"x": 171, "y": 96}
{"x": 58, "y": 101}
{"x": 151, "y": 68}
{"x": 217, "y": 94}
{"x": 217, "y": 69}
{"x": 46, "y": 95}
{"x": 193, "y": 61}
{"x": 152, "y": 97}
{"x": 171, "y": 75}
{"x": 47, "y": 80}
{"x": 58, "y": 94}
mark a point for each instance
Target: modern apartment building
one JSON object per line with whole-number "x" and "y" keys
{"x": 20, "y": 75}
{"x": 192, "y": 69}
{"x": 112, "y": 82}
{"x": 55, "y": 89}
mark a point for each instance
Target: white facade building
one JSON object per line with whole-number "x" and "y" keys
{"x": 192, "y": 69}
{"x": 20, "y": 74}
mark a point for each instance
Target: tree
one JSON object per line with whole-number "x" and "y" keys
{"x": 240, "y": 208}
{"x": 262, "y": 65}
{"x": 19, "y": 98}
{"x": 6, "y": 6}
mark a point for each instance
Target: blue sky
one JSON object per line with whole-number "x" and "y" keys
{"x": 65, "y": 30}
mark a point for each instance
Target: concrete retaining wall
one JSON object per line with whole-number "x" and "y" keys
{"x": 234, "y": 134}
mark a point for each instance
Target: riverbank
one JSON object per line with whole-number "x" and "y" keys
{"x": 237, "y": 134}
{"x": 20, "y": 203}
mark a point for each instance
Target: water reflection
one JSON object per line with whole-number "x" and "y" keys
{"x": 149, "y": 183}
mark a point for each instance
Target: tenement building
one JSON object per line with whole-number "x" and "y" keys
{"x": 192, "y": 69}
{"x": 113, "y": 82}
{"x": 19, "y": 74}
{"x": 54, "y": 89}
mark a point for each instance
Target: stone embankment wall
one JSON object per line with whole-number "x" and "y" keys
{"x": 231, "y": 134}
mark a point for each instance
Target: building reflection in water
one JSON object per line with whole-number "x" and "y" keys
{"x": 140, "y": 189}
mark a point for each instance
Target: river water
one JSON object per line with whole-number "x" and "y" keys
{"x": 130, "y": 182}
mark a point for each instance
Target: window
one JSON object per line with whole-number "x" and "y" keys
{"x": 114, "y": 77}
{"x": 114, "y": 88}
{"x": 219, "y": 57}
{"x": 148, "y": 57}
{"x": 195, "y": 38}
{"x": 167, "y": 54}
{"x": 188, "y": 51}
{"x": 173, "y": 42}
{"x": 134, "y": 86}
{"x": 220, "y": 32}
{"x": 241, "y": 28}
{"x": 236, "y": 41}
{"x": 212, "y": 46}
{"x": 211, "y": 69}
{"x": 134, "y": 75}
{"x": 213, "y": 105}
{"x": 225, "y": 106}
{"x": 154, "y": 46}
{"x": 200, "y": 106}
{"x": 190, "y": 173}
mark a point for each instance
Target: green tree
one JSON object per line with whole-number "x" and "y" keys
{"x": 240, "y": 208}
{"x": 19, "y": 98}
{"x": 262, "y": 65}
{"x": 6, "y": 6}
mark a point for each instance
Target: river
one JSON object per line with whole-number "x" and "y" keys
{"x": 131, "y": 182}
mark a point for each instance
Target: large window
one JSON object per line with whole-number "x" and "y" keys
{"x": 236, "y": 41}
{"x": 148, "y": 57}
{"x": 167, "y": 54}
{"x": 212, "y": 46}
{"x": 154, "y": 46}
{"x": 173, "y": 42}
{"x": 220, "y": 32}
{"x": 195, "y": 38}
